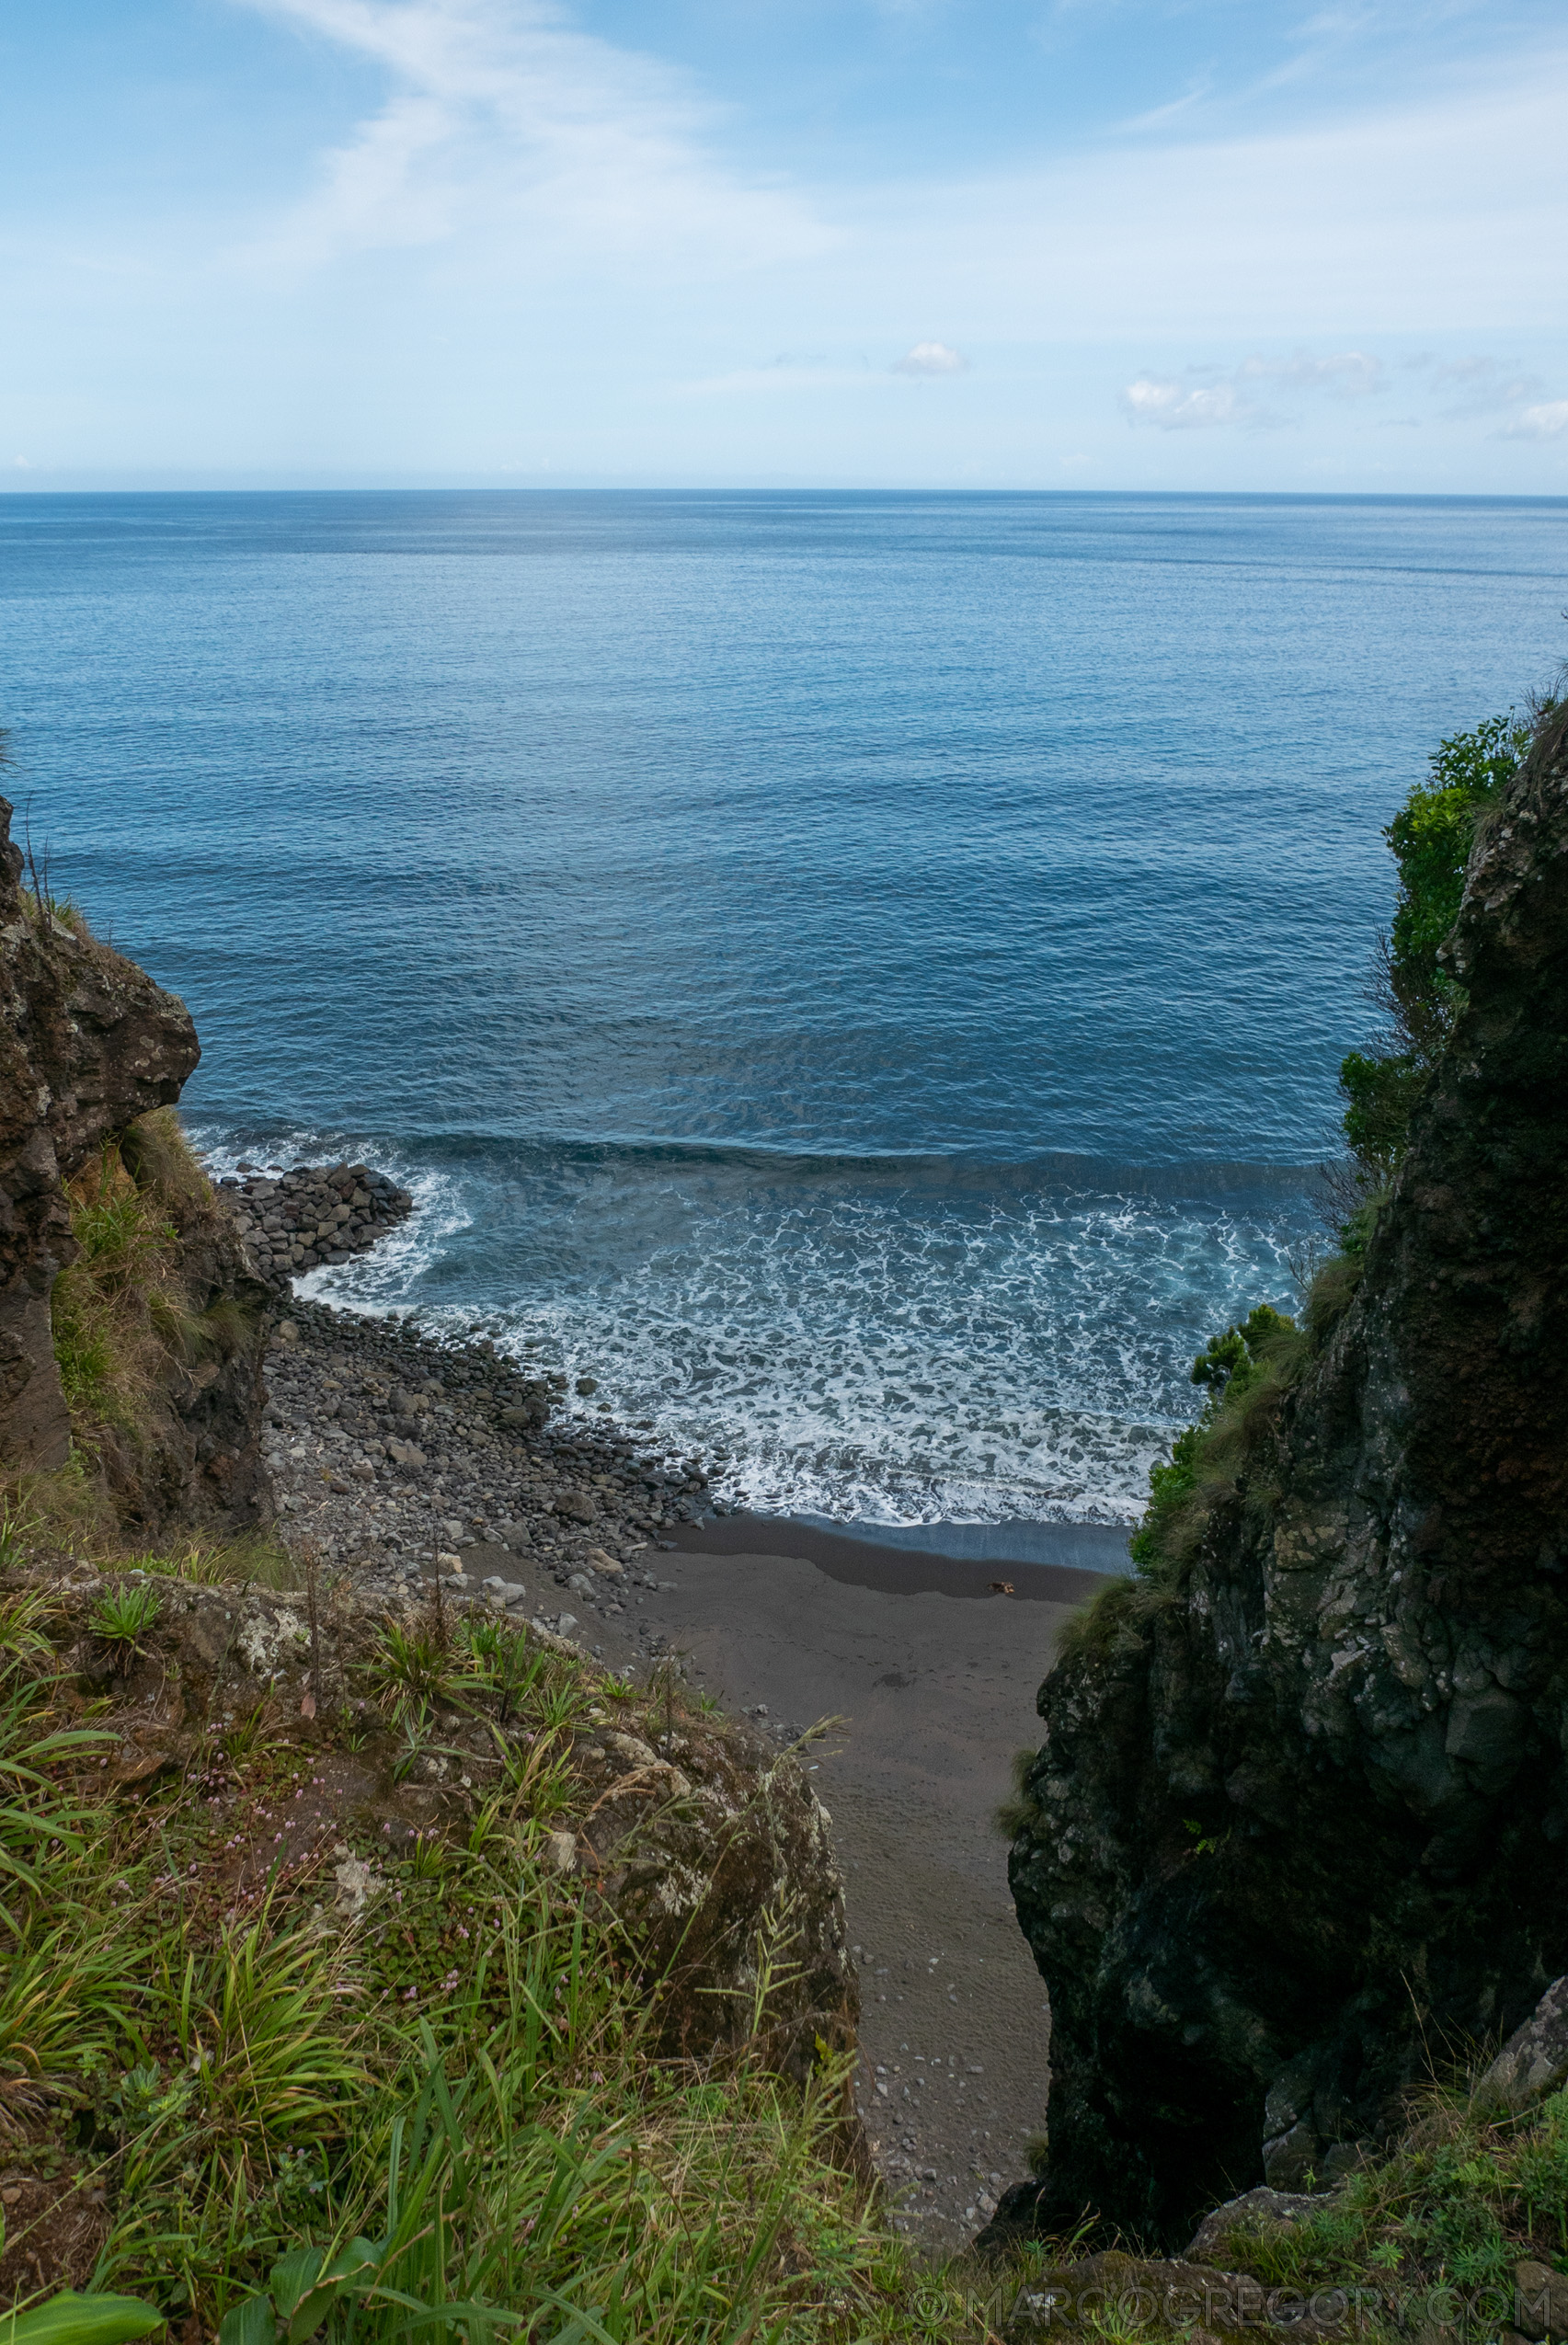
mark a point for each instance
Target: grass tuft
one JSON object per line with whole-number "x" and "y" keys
{"x": 123, "y": 1618}
{"x": 255, "y": 1559}
{"x": 1461, "y": 2200}
{"x": 444, "y": 2120}
{"x": 126, "y": 1326}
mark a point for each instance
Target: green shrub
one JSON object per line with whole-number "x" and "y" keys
{"x": 1430, "y": 839}
{"x": 1232, "y": 1363}
{"x": 1432, "y": 835}
{"x": 1380, "y": 1096}
{"x": 1242, "y": 1370}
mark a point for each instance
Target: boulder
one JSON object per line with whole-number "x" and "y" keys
{"x": 1534, "y": 2060}
{"x": 1540, "y": 2301}
{"x": 1255, "y": 2209}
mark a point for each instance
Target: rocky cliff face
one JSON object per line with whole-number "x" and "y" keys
{"x": 89, "y": 1046}
{"x": 1299, "y": 1817}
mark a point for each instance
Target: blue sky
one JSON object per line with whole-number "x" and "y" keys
{"x": 1107, "y": 243}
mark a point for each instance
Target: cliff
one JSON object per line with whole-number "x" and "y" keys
{"x": 161, "y": 1323}
{"x": 1297, "y": 1824}
{"x": 359, "y": 1867}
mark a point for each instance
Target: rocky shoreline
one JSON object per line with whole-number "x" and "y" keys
{"x": 398, "y": 1456}
{"x": 296, "y": 1220}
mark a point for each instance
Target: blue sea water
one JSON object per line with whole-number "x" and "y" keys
{"x": 864, "y": 975}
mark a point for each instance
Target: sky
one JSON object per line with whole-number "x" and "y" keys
{"x": 1177, "y": 245}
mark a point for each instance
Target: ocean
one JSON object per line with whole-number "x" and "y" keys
{"x": 861, "y": 976}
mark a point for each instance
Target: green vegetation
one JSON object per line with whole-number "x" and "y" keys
{"x": 1430, "y": 837}
{"x": 447, "y": 2117}
{"x": 70, "y": 2319}
{"x": 1456, "y": 2207}
{"x": 120, "y": 1311}
{"x": 253, "y": 1558}
{"x": 410, "y": 1667}
{"x": 1244, "y": 1370}
{"x": 123, "y": 1617}
{"x": 101, "y": 1300}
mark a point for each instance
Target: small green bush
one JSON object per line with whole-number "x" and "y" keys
{"x": 123, "y": 1616}
{"x": 1242, "y": 1371}
{"x": 1431, "y": 839}
{"x": 1432, "y": 835}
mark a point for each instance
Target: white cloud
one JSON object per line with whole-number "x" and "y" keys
{"x": 929, "y": 359}
{"x": 1159, "y": 116}
{"x": 1484, "y": 386}
{"x": 1209, "y": 398}
{"x": 1548, "y": 421}
{"x": 21, "y": 463}
{"x": 507, "y": 127}
{"x": 1179, "y": 407}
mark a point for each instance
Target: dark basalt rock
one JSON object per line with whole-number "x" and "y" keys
{"x": 294, "y": 1221}
{"x": 1300, "y": 1818}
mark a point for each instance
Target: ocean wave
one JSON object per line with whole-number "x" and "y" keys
{"x": 841, "y": 1344}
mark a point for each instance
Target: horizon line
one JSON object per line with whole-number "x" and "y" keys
{"x": 339, "y": 484}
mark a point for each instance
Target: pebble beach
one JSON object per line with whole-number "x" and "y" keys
{"x": 400, "y": 1456}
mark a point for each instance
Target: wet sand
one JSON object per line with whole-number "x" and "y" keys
{"x": 933, "y": 1678}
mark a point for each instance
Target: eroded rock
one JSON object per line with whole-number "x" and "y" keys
{"x": 89, "y": 1047}
{"x": 87, "y": 1044}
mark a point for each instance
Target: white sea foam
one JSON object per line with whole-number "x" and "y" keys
{"x": 383, "y": 1280}
{"x": 894, "y": 1356}
{"x": 1034, "y": 1367}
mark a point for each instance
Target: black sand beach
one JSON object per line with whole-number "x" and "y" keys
{"x": 932, "y": 1678}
